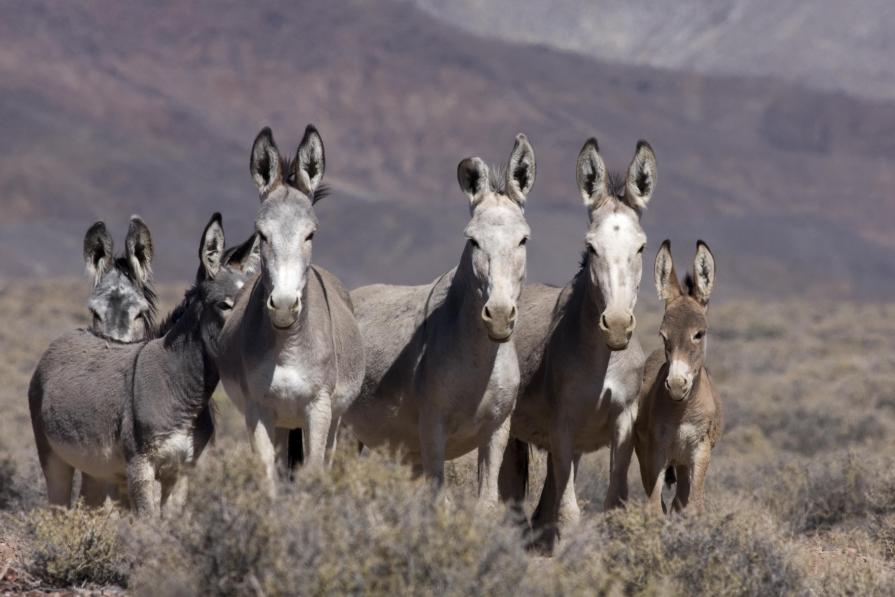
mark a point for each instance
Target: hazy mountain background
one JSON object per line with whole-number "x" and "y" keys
{"x": 773, "y": 123}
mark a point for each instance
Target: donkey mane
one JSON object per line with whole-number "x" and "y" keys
{"x": 615, "y": 183}
{"x": 689, "y": 283}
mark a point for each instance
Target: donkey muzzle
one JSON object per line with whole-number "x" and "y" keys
{"x": 617, "y": 328}
{"x": 280, "y": 317}
{"x": 499, "y": 320}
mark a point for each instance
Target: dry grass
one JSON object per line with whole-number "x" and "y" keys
{"x": 799, "y": 491}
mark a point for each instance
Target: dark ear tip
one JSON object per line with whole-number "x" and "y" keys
{"x": 264, "y": 134}
{"x": 98, "y": 226}
{"x": 701, "y": 244}
{"x": 521, "y": 138}
{"x": 666, "y": 244}
{"x": 644, "y": 144}
{"x": 592, "y": 142}
{"x": 311, "y": 130}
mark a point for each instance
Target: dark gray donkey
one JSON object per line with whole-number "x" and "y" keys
{"x": 138, "y": 412}
{"x": 123, "y": 301}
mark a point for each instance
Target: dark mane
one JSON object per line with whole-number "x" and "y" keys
{"x": 321, "y": 192}
{"x": 689, "y": 283}
{"x": 178, "y": 312}
{"x": 102, "y": 336}
{"x": 497, "y": 179}
{"x": 123, "y": 266}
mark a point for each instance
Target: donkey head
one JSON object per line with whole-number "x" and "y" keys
{"x": 497, "y": 233}
{"x": 123, "y": 302}
{"x": 221, "y": 276}
{"x": 285, "y": 223}
{"x": 615, "y": 240}
{"x": 684, "y": 324}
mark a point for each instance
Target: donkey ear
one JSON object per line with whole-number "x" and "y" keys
{"x": 591, "y": 174}
{"x": 521, "y": 170}
{"x": 667, "y": 284}
{"x": 211, "y": 249}
{"x": 642, "y": 176}
{"x": 138, "y": 249}
{"x": 247, "y": 256}
{"x": 472, "y": 174}
{"x": 97, "y": 251}
{"x": 310, "y": 161}
{"x": 265, "y": 164}
{"x": 703, "y": 273}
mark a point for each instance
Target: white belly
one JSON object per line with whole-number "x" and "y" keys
{"x": 104, "y": 461}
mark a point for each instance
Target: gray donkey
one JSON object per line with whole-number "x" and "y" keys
{"x": 122, "y": 303}
{"x": 137, "y": 412}
{"x": 291, "y": 353}
{"x": 442, "y": 371}
{"x": 581, "y": 365}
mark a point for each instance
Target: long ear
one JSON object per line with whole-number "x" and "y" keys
{"x": 472, "y": 174}
{"x": 667, "y": 284}
{"x": 247, "y": 256}
{"x": 211, "y": 249}
{"x": 703, "y": 273}
{"x": 138, "y": 249}
{"x": 265, "y": 163}
{"x": 97, "y": 251}
{"x": 310, "y": 161}
{"x": 521, "y": 170}
{"x": 642, "y": 176}
{"x": 590, "y": 171}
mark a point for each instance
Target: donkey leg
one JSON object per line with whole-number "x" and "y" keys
{"x": 94, "y": 491}
{"x": 260, "y": 425}
{"x": 655, "y": 479}
{"x": 319, "y": 416}
{"x": 144, "y": 489}
{"x": 699, "y": 469}
{"x": 432, "y": 442}
{"x": 620, "y": 453}
{"x": 682, "y": 492}
{"x": 332, "y": 440}
{"x": 491, "y": 451}
{"x": 568, "y": 512}
{"x": 281, "y": 448}
{"x": 59, "y": 475}
{"x": 512, "y": 482}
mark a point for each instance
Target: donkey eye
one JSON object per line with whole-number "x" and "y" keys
{"x": 309, "y": 238}
{"x": 261, "y": 236}
{"x": 640, "y": 250}
{"x": 699, "y": 335}
{"x": 591, "y": 250}
{"x": 523, "y": 241}
{"x": 474, "y": 243}
{"x": 225, "y": 305}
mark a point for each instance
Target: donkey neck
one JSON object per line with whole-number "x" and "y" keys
{"x": 193, "y": 371}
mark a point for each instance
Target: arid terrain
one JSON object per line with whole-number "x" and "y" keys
{"x": 799, "y": 491}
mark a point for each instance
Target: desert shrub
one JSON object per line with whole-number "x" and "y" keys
{"x": 8, "y": 487}
{"x": 817, "y": 495}
{"x": 734, "y": 550}
{"x": 846, "y": 563}
{"x": 364, "y": 526}
{"x": 77, "y": 546}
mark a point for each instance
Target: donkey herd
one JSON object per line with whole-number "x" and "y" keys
{"x": 474, "y": 360}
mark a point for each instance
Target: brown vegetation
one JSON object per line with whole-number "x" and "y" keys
{"x": 799, "y": 495}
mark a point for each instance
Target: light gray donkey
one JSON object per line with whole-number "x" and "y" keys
{"x": 581, "y": 366}
{"x": 442, "y": 372}
{"x": 291, "y": 353}
{"x": 137, "y": 412}
{"x": 122, "y": 303}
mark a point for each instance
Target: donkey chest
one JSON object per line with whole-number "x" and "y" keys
{"x": 685, "y": 438}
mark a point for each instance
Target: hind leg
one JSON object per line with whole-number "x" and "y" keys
{"x": 513, "y": 477}
{"x": 94, "y": 491}
{"x": 59, "y": 475}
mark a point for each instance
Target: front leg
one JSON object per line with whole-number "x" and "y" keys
{"x": 143, "y": 487}
{"x": 620, "y": 458}
{"x": 563, "y": 457}
{"x": 699, "y": 469}
{"x": 319, "y": 416}
{"x": 652, "y": 470}
{"x": 262, "y": 433}
{"x": 432, "y": 444}
{"x": 490, "y": 457}
{"x": 332, "y": 441}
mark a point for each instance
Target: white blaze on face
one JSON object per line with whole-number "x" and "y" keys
{"x": 679, "y": 371}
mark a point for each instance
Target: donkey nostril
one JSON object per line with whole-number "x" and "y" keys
{"x": 270, "y": 304}
{"x": 486, "y": 313}
{"x": 631, "y": 322}
{"x": 513, "y": 313}
{"x": 604, "y": 323}
{"x": 295, "y": 304}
